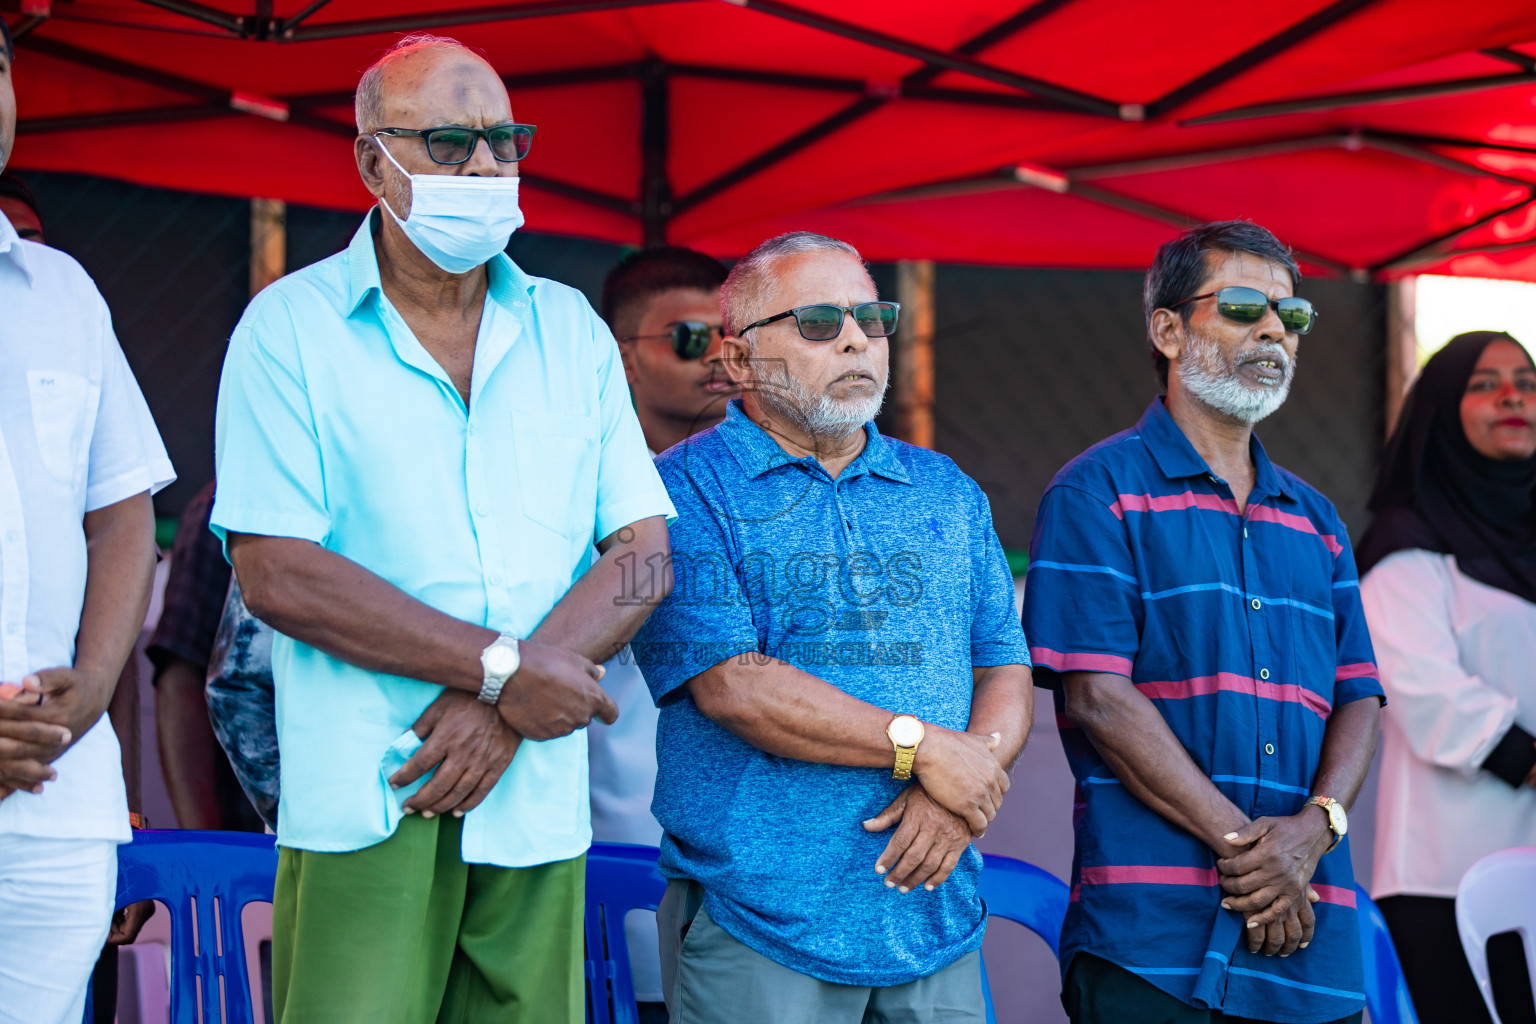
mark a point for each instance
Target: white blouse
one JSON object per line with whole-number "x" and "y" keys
{"x": 1458, "y": 662}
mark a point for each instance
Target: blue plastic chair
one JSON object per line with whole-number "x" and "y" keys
{"x": 620, "y": 878}
{"x": 1386, "y": 990}
{"x": 1031, "y": 896}
{"x": 205, "y": 879}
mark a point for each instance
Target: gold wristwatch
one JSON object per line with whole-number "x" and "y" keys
{"x": 1338, "y": 821}
{"x": 905, "y": 733}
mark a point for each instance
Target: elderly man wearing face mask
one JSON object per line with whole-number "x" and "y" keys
{"x": 842, "y": 680}
{"x": 418, "y": 446}
{"x": 1196, "y": 610}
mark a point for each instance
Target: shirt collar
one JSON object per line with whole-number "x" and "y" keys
{"x": 505, "y": 281}
{"x": 10, "y": 245}
{"x": 1177, "y": 458}
{"x": 757, "y": 452}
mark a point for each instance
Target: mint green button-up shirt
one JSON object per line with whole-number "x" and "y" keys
{"x": 336, "y": 426}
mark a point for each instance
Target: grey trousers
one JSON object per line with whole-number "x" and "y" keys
{"x": 710, "y": 977}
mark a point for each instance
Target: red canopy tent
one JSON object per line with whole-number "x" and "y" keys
{"x": 1379, "y": 137}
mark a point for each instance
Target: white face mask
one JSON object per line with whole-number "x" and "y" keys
{"x": 458, "y": 221}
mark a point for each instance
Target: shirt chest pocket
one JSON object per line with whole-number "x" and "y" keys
{"x": 1313, "y": 645}
{"x": 556, "y": 455}
{"x": 60, "y": 403}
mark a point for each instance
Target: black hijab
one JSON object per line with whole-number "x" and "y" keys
{"x": 1436, "y": 492}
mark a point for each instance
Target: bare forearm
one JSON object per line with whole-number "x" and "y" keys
{"x": 123, "y": 713}
{"x": 331, "y": 603}
{"x": 1003, "y": 702}
{"x": 188, "y": 748}
{"x": 1348, "y": 746}
{"x": 600, "y": 614}
{"x": 789, "y": 713}
{"x": 1134, "y": 740}
{"x": 120, "y": 569}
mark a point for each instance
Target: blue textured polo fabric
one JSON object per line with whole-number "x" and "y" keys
{"x": 1246, "y": 631}
{"x": 888, "y": 583}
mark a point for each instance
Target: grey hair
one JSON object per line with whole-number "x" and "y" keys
{"x": 368, "y": 105}
{"x": 750, "y": 286}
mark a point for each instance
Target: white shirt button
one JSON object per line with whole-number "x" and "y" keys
{"x": 483, "y": 511}
{"x": 1263, "y": 673}
{"x": 1256, "y": 604}
{"x": 1269, "y": 748}
{"x": 494, "y": 581}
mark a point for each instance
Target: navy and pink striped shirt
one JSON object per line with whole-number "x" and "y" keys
{"x": 1246, "y": 631}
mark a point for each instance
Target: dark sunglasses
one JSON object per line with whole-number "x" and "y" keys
{"x": 823, "y": 321}
{"x": 690, "y": 338}
{"x": 1248, "y": 306}
{"x": 455, "y": 145}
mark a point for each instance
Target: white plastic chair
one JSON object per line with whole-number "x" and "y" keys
{"x": 1497, "y": 894}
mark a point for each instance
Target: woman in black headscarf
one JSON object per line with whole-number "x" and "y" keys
{"x": 1448, "y": 577}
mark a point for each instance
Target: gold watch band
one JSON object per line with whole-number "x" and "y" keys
{"x": 1323, "y": 802}
{"x": 903, "y": 767}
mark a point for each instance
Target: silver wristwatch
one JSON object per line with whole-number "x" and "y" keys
{"x": 498, "y": 662}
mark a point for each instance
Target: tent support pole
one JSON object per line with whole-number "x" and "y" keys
{"x": 1436, "y": 246}
{"x": 1253, "y": 57}
{"x": 234, "y": 23}
{"x": 866, "y": 104}
{"x": 269, "y": 242}
{"x": 1509, "y": 56}
{"x": 286, "y": 28}
{"x": 1414, "y": 151}
{"x": 1402, "y": 345}
{"x": 913, "y": 355}
{"x": 655, "y": 188}
{"x": 1335, "y": 101}
{"x": 458, "y": 16}
{"x": 1080, "y": 101}
{"x": 1449, "y": 143}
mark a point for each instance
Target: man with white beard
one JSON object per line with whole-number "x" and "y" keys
{"x": 842, "y": 681}
{"x": 1196, "y": 610}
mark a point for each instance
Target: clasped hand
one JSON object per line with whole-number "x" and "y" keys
{"x": 960, "y": 785}
{"x": 55, "y": 707}
{"x": 1267, "y": 880}
{"x": 470, "y": 743}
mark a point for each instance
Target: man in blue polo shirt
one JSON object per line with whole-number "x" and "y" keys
{"x": 841, "y": 677}
{"x": 1197, "y": 612}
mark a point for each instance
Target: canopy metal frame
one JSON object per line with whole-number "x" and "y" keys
{"x": 655, "y": 204}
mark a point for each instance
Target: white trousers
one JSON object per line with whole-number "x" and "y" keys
{"x": 56, "y": 898}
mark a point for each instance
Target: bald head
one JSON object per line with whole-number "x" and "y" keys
{"x": 424, "y": 81}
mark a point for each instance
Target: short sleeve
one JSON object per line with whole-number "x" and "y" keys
{"x": 1355, "y": 676}
{"x": 996, "y": 636}
{"x": 628, "y": 487}
{"x": 127, "y": 456}
{"x": 266, "y": 448}
{"x": 707, "y": 619}
{"x": 195, "y": 589}
{"x": 1082, "y": 598}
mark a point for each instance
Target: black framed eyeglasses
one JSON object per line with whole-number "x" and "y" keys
{"x": 1248, "y": 306}
{"x": 690, "y": 338}
{"x": 824, "y": 321}
{"x": 454, "y": 144}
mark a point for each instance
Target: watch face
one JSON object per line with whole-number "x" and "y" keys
{"x": 1338, "y": 819}
{"x": 905, "y": 731}
{"x": 500, "y": 661}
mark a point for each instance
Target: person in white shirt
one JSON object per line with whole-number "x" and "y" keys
{"x": 79, "y": 459}
{"x": 663, "y": 306}
{"x": 1448, "y": 578}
